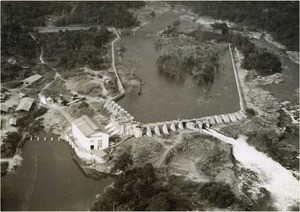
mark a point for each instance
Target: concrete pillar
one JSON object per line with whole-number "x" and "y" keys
{"x": 232, "y": 117}
{"x": 190, "y": 125}
{"x": 165, "y": 129}
{"x": 172, "y": 127}
{"x": 180, "y": 125}
{"x": 207, "y": 123}
{"x": 121, "y": 129}
{"x": 199, "y": 124}
{"x": 138, "y": 132}
{"x": 239, "y": 116}
{"x": 211, "y": 120}
{"x": 219, "y": 119}
{"x": 149, "y": 133}
{"x": 243, "y": 113}
{"x": 225, "y": 118}
{"x": 156, "y": 130}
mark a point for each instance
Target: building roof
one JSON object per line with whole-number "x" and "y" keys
{"x": 25, "y": 104}
{"x": 88, "y": 126}
{"x": 32, "y": 78}
{"x": 12, "y": 121}
{"x": 99, "y": 153}
{"x": 4, "y": 107}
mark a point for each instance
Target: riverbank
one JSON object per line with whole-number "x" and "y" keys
{"x": 267, "y": 129}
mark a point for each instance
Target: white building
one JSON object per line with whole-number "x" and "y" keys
{"x": 90, "y": 134}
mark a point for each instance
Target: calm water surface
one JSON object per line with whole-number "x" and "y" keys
{"x": 165, "y": 98}
{"x": 49, "y": 179}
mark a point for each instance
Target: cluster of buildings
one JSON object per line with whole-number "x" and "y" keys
{"x": 24, "y": 105}
{"x": 86, "y": 136}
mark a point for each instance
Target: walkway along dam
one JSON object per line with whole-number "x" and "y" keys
{"x": 122, "y": 123}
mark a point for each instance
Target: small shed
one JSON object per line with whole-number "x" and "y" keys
{"x": 4, "y": 108}
{"x": 32, "y": 79}
{"x": 25, "y": 104}
{"x": 12, "y": 122}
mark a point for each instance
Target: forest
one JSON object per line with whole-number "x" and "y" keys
{"x": 141, "y": 188}
{"x": 279, "y": 18}
{"x": 106, "y": 13}
{"x": 72, "y": 49}
{"x": 264, "y": 62}
{"x": 199, "y": 63}
{"x": 35, "y": 13}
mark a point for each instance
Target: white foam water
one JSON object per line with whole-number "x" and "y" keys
{"x": 279, "y": 181}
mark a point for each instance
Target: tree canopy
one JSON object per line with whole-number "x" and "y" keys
{"x": 279, "y": 18}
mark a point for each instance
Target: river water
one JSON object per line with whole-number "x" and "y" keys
{"x": 49, "y": 179}
{"x": 279, "y": 181}
{"x": 285, "y": 91}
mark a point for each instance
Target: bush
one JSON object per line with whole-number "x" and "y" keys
{"x": 25, "y": 121}
{"x": 264, "y": 62}
{"x": 217, "y": 193}
{"x": 250, "y": 112}
{"x": 10, "y": 144}
{"x": 4, "y": 166}
{"x": 201, "y": 63}
{"x": 140, "y": 189}
{"x": 123, "y": 162}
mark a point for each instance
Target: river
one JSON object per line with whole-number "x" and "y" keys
{"x": 49, "y": 179}
{"x": 279, "y": 181}
{"x": 285, "y": 91}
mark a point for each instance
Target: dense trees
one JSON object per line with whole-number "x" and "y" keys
{"x": 15, "y": 40}
{"x": 72, "y": 49}
{"x": 106, "y": 13}
{"x": 10, "y": 144}
{"x": 32, "y": 13}
{"x": 264, "y": 62}
{"x": 217, "y": 193}
{"x": 24, "y": 122}
{"x": 202, "y": 65}
{"x": 123, "y": 162}
{"x": 279, "y": 18}
{"x": 140, "y": 189}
